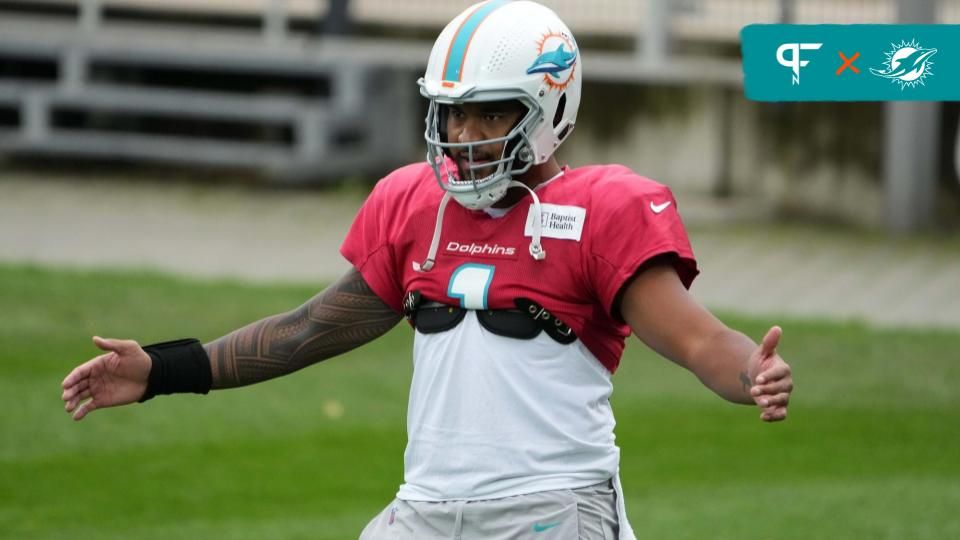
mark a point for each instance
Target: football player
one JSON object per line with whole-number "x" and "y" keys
{"x": 521, "y": 292}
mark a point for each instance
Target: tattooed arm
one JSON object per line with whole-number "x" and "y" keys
{"x": 663, "y": 314}
{"x": 343, "y": 317}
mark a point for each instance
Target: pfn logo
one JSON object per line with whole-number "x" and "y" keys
{"x": 794, "y": 62}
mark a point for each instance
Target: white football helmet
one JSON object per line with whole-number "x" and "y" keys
{"x": 501, "y": 50}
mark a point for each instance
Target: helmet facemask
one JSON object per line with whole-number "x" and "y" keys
{"x": 468, "y": 185}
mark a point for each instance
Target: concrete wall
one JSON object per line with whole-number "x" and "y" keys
{"x": 819, "y": 160}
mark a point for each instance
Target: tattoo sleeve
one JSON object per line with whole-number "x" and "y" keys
{"x": 344, "y": 316}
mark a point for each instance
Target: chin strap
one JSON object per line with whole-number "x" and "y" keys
{"x": 536, "y": 249}
{"x": 435, "y": 243}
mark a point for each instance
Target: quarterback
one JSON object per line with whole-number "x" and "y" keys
{"x": 521, "y": 280}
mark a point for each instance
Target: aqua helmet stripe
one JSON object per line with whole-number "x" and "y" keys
{"x": 457, "y": 54}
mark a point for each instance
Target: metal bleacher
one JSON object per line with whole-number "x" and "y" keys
{"x": 299, "y": 89}
{"x": 222, "y": 83}
{"x": 278, "y": 86}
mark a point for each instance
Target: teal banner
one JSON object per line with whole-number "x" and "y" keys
{"x": 859, "y": 62}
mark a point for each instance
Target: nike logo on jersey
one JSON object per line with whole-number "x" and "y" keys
{"x": 657, "y": 208}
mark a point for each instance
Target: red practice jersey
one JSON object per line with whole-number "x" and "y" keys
{"x": 600, "y": 224}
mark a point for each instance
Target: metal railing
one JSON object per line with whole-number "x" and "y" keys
{"x": 93, "y": 77}
{"x": 81, "y": 84}
{"x": 684, "y": 19}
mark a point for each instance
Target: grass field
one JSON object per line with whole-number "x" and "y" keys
{"x": 871, "y": 448}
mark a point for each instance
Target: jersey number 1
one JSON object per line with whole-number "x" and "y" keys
{"x": 470, "y": 283}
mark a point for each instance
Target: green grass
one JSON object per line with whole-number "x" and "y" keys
{"x": 870, "y": 449}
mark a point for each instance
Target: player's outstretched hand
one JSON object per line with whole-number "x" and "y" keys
{"x": 772, "y": 380}
{"x": 115, "y": 378}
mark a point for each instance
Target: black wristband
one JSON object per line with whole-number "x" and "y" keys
{"x": 178, "y": 366}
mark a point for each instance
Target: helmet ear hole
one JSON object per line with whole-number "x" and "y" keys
{"x": 441, "y": 120}
{"x": 561, "y": 107}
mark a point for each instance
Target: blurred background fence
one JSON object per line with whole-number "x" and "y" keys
{"x": 314, "y": 90}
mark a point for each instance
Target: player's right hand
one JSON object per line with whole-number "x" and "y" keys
{"x": 117, "y": 377}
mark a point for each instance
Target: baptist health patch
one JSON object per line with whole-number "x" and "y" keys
{"x": 563, "y": 222}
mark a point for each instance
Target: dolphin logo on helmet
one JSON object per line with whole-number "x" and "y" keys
{"x": 554, "y": 62}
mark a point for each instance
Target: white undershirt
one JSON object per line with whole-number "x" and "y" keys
{"x": 491, "y": 416}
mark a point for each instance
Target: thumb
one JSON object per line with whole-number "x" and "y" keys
{"x": 770, "y": 341}
{"x": 118, "y": 346}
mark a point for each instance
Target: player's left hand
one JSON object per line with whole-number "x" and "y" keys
{"x": 771, "y": 377}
